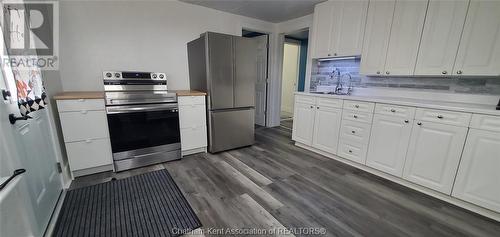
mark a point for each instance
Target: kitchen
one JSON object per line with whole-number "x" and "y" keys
{"x": 396, "y": 133}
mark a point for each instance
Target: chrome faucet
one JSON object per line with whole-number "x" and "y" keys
{"x": 336, "y": 73}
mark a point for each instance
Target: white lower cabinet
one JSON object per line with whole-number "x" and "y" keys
{"x": 89, "y": 153}
{"x": 326, "y": 129}
{"x": 193, "y": 124}
{"x": 434, "y": 154}
{"x": 389, "y": 143}
{"x": 479, "y": 176}
{"x": 303, "y": 123}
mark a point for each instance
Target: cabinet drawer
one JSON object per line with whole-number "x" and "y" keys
{"x": 357, "y": 116}
{"x": 326, "y": 102}
{"x": 88, "y": 154}
{"x": 192, "y": 116}
{"x": 355, "y": 131}
{"x": 485, "y": 122}
{"x": 443, "y": 116}
{"x": 359, "y": 106}
{"x": 191, "y": 100}
{"x": 395, "y": 110}
{"x": 80, "y": 104}
{"x": 78, "y": 126}
{"x": 305, "y": 99}
{"x": 352, "y": 150}
{"x": 192, "y": 138}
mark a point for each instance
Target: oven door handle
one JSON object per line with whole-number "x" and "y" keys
{"x": 141, "y": 108}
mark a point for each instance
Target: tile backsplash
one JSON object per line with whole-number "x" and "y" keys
{"x": 321, "y": 71}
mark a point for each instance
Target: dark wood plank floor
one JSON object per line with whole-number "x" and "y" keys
{"x": 275, "y": 184}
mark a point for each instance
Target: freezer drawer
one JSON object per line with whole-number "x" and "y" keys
{"x": 231, "y": 129}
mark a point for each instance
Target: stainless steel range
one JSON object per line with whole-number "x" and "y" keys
{"x": 143, "y": 119}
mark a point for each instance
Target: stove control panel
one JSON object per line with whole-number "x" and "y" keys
{"x": 129, "y": 75}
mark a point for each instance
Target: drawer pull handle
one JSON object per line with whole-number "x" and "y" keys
{"x": 355, "y": 116}
{"x": 393, "y": 110}
{"x": 419, "y": 124}
{"x": 88, "y": 141}
{"x": 406, "y": 121}
{"x": 353, "y": 132}
{"x": 350, "y": 151}
{"x": 83, "y": 111}
{"x": 357, "y": 106}
{"x": 440, "y": 116}
{"x": 81, "y": 100}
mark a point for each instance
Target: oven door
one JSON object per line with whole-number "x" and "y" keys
{"x": 140, "y": 130}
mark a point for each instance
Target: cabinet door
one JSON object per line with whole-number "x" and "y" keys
{"x": 322, "y": 28}
{"x": 326, "y": 129}
{"x": 376, "y": 36}
{"x": 442, "y": 30}
{"x": 479, "y": 50}
{"x": 433, "y": 155}
{"x": 478, "y": 175}
{"x": 388, "y": 144}
{"x": 348, "y": 27}
{"x": 406, "y": 30}
{"x": 303, "y": 123}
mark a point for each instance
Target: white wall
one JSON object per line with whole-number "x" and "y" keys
{"x": 136, "y": 35}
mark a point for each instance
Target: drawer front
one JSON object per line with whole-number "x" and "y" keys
{"x": 192, "y": 116}
{"x": 353, "y": 151}
{"x": 355, "y": 131}
{"x": 395, "y": 110}
{"x": 79, "y": 126}
{"x": 357, "y": 116}
{"x": 359, "y": 106}
{"x": 80, "y": 104}
{"x": 191, "y": 100}
{"x": 89, "y": 154}
{"x": 305, "y": 99}
{"x": 485, "y": 122}
{"x": 192, "y": 138}
{"x": 332, "y": 103}
{"x": 443, "y": 116}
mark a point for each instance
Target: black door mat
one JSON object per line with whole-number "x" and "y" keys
{"x": 150, "y": 204}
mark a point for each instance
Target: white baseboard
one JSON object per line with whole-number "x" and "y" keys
{"x": 466, "y": 205}
{"x": 55, "y": 215}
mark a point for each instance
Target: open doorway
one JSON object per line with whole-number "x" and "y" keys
{"x": 263, "y": 74}
{"x": 293, "y": 73}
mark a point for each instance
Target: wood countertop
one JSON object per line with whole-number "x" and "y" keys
{"x": 190, "y": 93}
{"x": 75, "y": 95}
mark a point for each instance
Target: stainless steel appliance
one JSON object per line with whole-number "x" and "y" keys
{"x": 143, "y": 119}
{"x": 225, "y": 67}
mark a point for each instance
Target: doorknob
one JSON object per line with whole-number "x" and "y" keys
{"x": 6, "y": 94}
{"x": 13, "y": 118}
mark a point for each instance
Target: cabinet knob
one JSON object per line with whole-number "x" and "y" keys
{"x": 419, "y": 124}
{"x": 335, "y": 54}
{"x": 440, "y": 116}
{"x": 393, "y": 110}
{"x": 387, "y": 72}
{"x": 357, "y": 106}
{"x": 406, "y": 121}
{"x": 444, "y": 72}
{"x": 329, "y": 55}
{"x": 459, "y": 72}
{"x": 350, "y": 151}
{"x": 312, "y": 107}
{"x": 355, "y": 116}
{"x": 378, "y": 72}
{"x": 353, "y": 132}
{"x": 317, "y": 107}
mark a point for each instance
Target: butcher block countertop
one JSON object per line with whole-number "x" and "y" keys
{"x": 190, "y": 93}
{"x": 75, "y": 95}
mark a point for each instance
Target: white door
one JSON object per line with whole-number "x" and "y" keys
{"x": 303, "y": 123}
{"x": 326, "y": 129}
{"x": 479, "y": 50}
{"x": 261, "y": 85}
{"x": 478, "y": 176}
{"x": 388, "y": 143}
{"x": 30, "y": 146}
{"x": 349, "y": 18}
{"x": 443, "y": 27}
{"x": 406, "y": 30}
{"x": 376, "y": 37}
{"x": 322, "y": 28}
{"x": 433, "y": 155}
{"x": 289, "y": 76}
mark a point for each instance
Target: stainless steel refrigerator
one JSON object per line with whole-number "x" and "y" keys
{"x": 225, "y": 67}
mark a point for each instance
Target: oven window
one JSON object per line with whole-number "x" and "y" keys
{"x": 136, "y": 130}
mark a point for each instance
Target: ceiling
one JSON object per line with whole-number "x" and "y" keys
{"x": 268, "y": 10}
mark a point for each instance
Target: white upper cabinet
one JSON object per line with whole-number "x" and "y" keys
{"x": 376, "y": 39}
{"x": 303, "y": 122}
{"x": 479, "y": 50}
{"x": 323, "y": 20}
{"x": 434, "y": 154}
{"x": 326, "y": 129}
{"x": 441, "y": 36}
{"x": 389, "y": 143}
{"x": 404, "y": 40}
{"x": 339, "y": 27}
{"x": 478, "y": 175}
